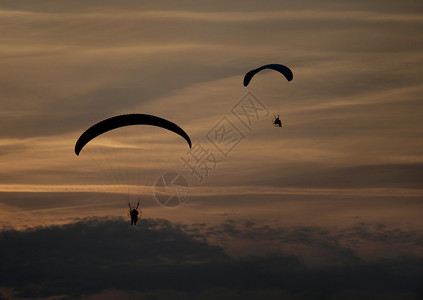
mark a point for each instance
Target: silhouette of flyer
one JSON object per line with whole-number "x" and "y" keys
{"x": 225, "y": 136}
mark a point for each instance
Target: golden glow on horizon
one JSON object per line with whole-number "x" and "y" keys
{"x": 215, "y": 190}
{"x": 226, "y": 16}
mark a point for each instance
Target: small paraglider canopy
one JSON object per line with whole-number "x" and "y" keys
{"x": 285, "y": 71}
{"x": 127, "y": 120}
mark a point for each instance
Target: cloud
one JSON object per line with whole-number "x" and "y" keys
{"x": 95, "y": 246}
{"x": 95, "y": 257}
{"x": 315, "y": 245}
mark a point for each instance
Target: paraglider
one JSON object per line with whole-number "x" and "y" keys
{"x": 133, "y": 213}
{"x": 127, "y": 120}
{"x": 277, "y": 122}
{"x": 121, "y": 121}
{"x": 285, "y": 71}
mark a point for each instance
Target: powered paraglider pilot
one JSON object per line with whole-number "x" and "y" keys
{"x": 134, "y": 212}
{"x": 277, "y": 122}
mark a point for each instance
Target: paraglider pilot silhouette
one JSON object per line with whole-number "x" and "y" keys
{"x": 134, "y": 212}
{"x": 277, "y": 122}
{"x": 284, "y": 70}
{"x": 122, "y": 121}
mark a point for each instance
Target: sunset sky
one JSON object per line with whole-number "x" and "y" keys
{"x": 340, "y": 182}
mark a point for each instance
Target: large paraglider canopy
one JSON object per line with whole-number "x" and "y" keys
{"x": 127, "y": 120}
{"x": 285, "y": 71}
